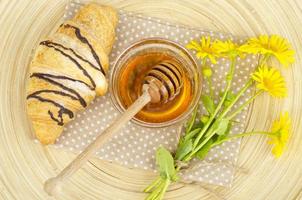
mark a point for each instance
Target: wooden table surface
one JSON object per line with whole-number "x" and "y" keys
{"x": 24, "y": 165}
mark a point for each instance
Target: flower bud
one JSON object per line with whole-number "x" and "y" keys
{"x": 207, "y": 72}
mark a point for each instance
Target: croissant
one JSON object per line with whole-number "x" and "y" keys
{"x": 68, "y": 70}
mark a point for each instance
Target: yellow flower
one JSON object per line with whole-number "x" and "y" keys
{"x": 273, "y": 45}
{"x": 280, "y": 134}
{"x": 270, "y": 80}
{"x": 204, "y": 49}
{"x": 228, "y": 48}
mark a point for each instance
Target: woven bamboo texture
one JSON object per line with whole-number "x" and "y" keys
{"x": 24, "y": 165}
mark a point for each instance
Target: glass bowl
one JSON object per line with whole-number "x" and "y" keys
{"x": 164, "y": 49}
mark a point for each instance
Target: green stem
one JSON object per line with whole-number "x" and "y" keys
{"x": 210, "y": 134}
{"x": 241, "y": 135}
{"x": 163, "y": 191}
{"x": 208, "y": 79}
{"x": 204, "y": 60}
{"x": 212, "y": 117}
{"x": 236, "y": 112}
{"x": 264, "y": 59}
{"x": 152, "y": 185}
{"x": 192, "y": 120}
{"x": 244, "y": 89}
{"x": 210, "y": 86}
{"x": 240, "y": 93}
{"x": 155, "y": 193}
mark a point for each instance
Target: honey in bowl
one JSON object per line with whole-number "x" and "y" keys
{"x": 131, "y": 82}
{"x": 132, "y": 66}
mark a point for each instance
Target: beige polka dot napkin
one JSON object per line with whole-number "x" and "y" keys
{"x": 134, "y": 146}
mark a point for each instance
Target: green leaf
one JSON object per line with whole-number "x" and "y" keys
{"x": 183, "y": 149}
{"x": 165, "y": 162}
{"x": 192, "y": 134}
{"x": 204, "y": 119}
{"x": 220, "y": 127}
{"x": 201, "y": 154}
{"x": 229, "y": 98}
{"x": 227, "y": 132}
{"x": 198, "y": 125}
{"x": 221, "y": 93}
{"x": 226, "y": 103}
{"x": 208, "y": 103}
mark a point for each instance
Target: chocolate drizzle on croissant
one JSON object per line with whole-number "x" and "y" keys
{"x": 75, "y": 96}
{"x": 68, "y": 70}
{"x": 48, "y": 43}
{"x": 85, "y": 41}
{"x": 45, "y": 77}
{"x": 62, "y": 109}
{"x": 84, "y": 71}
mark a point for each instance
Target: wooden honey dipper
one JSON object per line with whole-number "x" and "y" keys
{"x": 166, "y": 79}
{"x": 161, "y": 84}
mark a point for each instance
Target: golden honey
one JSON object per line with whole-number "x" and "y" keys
{"x": 130, "y": 83}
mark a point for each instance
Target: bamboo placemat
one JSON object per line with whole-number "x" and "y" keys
{"x": 24, "y": 166}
